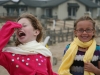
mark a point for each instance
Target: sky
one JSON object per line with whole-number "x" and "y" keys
{"x": 15, "y": 0}
{"x": 31, "y": 0}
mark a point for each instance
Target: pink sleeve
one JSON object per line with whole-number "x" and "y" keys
{"x": 49, "y": 66}
{"x": 6, "y": 31}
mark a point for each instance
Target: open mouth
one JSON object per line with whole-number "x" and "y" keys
{"x": 21, "y": 34}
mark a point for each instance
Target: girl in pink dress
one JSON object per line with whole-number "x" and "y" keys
{"x": 28, "y": 57}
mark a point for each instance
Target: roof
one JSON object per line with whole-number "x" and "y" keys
{"x": 52, "y": 3}
{"x": 73, "y": 5}
{"x": 2, "y": 2}
{"x": 49, "y": 3}
{"x": 88, "y": 3}
{"x": 14, "y": 6}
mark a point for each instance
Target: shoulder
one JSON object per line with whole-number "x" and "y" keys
{"x": 40, "y": 56}
{"x": 66, "y": 48}
{"x": 98, "y": 47}
{"x": 40, "y": 60}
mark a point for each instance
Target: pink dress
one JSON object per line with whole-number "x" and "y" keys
{"x": 16, "y": 64}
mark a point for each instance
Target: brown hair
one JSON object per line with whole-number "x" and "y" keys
{"x": 85, "y": 18}
{"x": 35, "y": 23}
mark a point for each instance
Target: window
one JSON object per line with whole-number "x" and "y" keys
{"x": 72, "y": 11}
{"x": 11, "y": 11}
{"x": 48, "y": 12}
{"x": 88, "y": 9}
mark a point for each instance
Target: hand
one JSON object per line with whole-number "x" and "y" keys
{"x": 11, "y": 25}
{"x": 6, "y": 32}
{"x": 89, "y": 67}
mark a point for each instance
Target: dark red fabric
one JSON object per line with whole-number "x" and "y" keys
{"x": 6, "y": 31}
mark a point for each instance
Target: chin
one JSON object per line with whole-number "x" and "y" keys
{"x": 84, "y": 40}
{"x": 22, "y": 41}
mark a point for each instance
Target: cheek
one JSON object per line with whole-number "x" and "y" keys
{"x": 30, "y": 33}
{"x": 28, "y": 30}
{"x": 78, "y": 35}
{"x": 92, "y": 34}
{"x": 16, "y": 34}
{"x": 75, "y": 33}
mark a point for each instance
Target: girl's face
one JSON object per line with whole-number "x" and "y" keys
{"x": 84, "y": 30}
{"x": 27, "y": 33}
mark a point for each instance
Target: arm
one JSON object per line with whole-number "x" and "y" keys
{"x": 97, "y": 71}
{"x": 6, "y": 32}
{"x": 49, "y": 67}
{"x": 91, "y": 68}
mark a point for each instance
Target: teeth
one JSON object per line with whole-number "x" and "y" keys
{"x": 19, "y": 33}
{"x": 84, "y": 37}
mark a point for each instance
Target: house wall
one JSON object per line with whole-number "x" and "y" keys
{"x": 3, "y": 10}
{"x": 95, "y": 14}
{"x": 81, "y": 10}
{"x": 31, "y": 10}
{"x": 39, "y": 12}
{"x": 62, "y": 11}
{"x": 54, "y": 11}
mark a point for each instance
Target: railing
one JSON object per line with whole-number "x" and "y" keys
{"x": 9, "y": 14}
{"x": 59, "y": 35}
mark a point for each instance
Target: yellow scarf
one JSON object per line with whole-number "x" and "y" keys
{"x": 71, "y": 52}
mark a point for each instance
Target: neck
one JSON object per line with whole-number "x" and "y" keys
{"x": 83, "y": 49}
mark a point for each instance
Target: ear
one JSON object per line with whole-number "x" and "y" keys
{"x": 36, "y": 32}
{"x": 75, "y": 32}
{"x": 94, "y": 32}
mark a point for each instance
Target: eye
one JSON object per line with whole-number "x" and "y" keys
{"x": 81, "y": 30}
{"x": 88, "y": 29}
{"x": 24, "y": 25}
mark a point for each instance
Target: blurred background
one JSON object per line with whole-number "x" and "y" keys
{"x": 57, "y": 18}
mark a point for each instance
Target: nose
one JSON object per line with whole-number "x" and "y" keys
{"x": 84, "y": 31}
{"x": 17, "y": 29}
